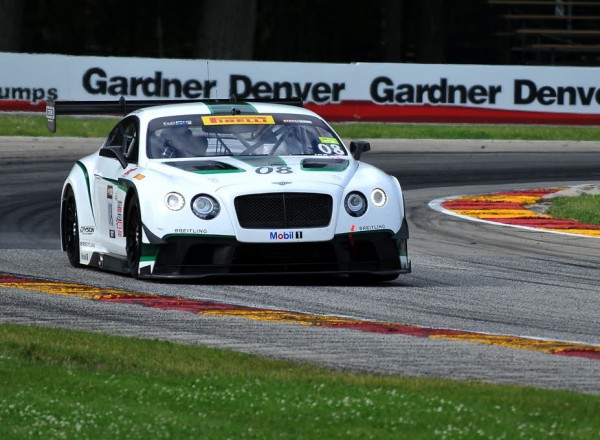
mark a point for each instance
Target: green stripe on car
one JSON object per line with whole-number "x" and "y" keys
{"x": 87, "y": 183}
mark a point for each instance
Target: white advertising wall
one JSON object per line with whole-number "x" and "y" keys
{"x": 339, "y": 92}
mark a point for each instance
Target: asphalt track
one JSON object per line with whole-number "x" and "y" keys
{"x": 504, "y": 283}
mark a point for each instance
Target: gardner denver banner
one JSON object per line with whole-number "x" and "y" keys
{"x": 339, "y": 92}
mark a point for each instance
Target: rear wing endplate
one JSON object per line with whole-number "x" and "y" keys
{"x": 123, "y": 107}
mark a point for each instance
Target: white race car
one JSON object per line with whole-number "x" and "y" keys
{"x": 217, "y": 187}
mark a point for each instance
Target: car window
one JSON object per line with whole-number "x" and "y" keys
{"x": 125, "y": 136}
{"x": 241, "y": 135}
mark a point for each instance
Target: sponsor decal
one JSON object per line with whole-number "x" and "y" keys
{"x": 527, "y": 91}
{"x": 139, "y": 177}
{"x": 383, "y": 90}
{"x": 281, "y": 183}
{"x": 119, "y": 225}
{"x": 177, "y": 123}
{"x": 328, "y": 140}
{"x": 352, "y": 228}
{"x": 285, "y": 235}
{"x": 110, "y": 215}
{"x": 84, "y": 256}
{"x": 126, "y": 173}
{"x": 371, "y": 227}
{"x": 191, "y": 231}
{"x": 296, "y": 121}
{"x": 119, "y": 208}
{"x": 238, "y": 120}
{"x": 97, "y": 82}
{"x": 319, "y": 92}
{"x": 87, "y": 230}
{"x": 359, "y": 91}
{"x": 111, "y": 233}
{"x": 33, "y": 95}
{"x": 87, "y": 244}
{"x": 109, "y": 192}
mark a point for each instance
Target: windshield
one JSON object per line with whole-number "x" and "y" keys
{"x": 241, "y": 135}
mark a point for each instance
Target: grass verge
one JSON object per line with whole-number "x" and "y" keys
{"x": 68, "y": 384}
{"x": 585, "y": 208}
{"x": 504, "y": 132}
{"x": 35, "y": 125}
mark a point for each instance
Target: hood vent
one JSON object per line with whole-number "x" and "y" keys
{"x": 318, "y": 164}
{"x": 205, "y": 167}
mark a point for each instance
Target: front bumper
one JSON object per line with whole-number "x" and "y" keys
{"x": 377, "y": 252}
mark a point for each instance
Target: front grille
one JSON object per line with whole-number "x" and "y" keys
{"x": 283, "y": 210}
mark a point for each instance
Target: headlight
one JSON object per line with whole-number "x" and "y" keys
{"x": 205, "y": 207}
{"x": 378, "y": 197}
{"x": 174, "y": 201}
{"x": 355, "y": 204}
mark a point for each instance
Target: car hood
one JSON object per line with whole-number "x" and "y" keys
{"x": 254, "y": 172}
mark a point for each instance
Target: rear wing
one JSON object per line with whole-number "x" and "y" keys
{"x": 123, "y": 107}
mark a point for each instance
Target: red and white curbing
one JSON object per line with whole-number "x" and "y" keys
{"x": 514, "y": 208}
{"x": 255, "y": 313}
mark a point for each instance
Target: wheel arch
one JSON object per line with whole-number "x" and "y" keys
{"x": 78, "y": 183}
{"x": 131, "y": 192}
{"x": 63, "y": 203}
{"x": 141, "y": 192}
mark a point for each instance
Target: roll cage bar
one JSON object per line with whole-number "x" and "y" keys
{"x": 123, "y": 107}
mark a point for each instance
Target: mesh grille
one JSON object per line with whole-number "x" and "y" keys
{"x": 283, "y": 210}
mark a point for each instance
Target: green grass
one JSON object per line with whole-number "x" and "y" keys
{"x": 505, "y": 132}
{"x": 66, "y": 384}
{"x": 35, "y": 125}
{"x": 585, "y": 208}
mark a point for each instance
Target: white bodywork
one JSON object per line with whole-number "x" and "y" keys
{"x": 101, "y": 185}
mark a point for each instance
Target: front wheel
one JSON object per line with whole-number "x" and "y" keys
{"x": 70, "y": 229}
{"x": 133, "y": 236}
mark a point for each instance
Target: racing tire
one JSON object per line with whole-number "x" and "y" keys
{"x": 133, "y": 236}
{"x": 70, "y": 229}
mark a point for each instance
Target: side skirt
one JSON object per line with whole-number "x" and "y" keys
{"x": 112, "y": 263}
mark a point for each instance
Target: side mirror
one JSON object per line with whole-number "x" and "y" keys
{"x": 114, "y": 153}
{"x": 357, "y": 148}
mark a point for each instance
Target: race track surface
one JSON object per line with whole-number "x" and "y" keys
{"x": 471, "y": 277}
